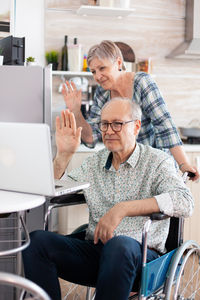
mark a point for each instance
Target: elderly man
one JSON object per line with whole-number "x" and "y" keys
{"x": 127, "y": 182}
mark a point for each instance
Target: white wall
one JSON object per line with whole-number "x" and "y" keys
{"x": 29, "y": 22}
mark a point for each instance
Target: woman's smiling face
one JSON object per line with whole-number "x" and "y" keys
{"x": 105, "y": 72}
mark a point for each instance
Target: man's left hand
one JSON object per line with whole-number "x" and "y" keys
{"x": 107, "y": 224}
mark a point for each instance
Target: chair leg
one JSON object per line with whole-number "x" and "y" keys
{"x": 47, "y": 217}
{"x": 22, "y": 295}
{"x": 93, "y": 296}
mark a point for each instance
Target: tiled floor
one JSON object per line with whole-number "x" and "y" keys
{"x": 76, "y": 292}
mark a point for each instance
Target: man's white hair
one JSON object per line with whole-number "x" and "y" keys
{"x": 135, "y": 110}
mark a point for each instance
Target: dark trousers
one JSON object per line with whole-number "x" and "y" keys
{"x": 112, "y": 268}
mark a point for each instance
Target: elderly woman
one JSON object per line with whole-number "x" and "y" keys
{"x": 157, "y": 130}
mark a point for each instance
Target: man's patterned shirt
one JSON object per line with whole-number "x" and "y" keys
{"x": 147, "y": 173}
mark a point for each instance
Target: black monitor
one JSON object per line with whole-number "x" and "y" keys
{"x": 13, "y": 50}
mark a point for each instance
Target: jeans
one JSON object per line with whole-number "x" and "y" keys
{"x": 111, "y": 268}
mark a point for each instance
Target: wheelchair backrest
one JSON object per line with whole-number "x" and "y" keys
{"x": 175, "y": 234}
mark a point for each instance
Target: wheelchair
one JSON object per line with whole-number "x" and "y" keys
{"x": 172, "y": 276}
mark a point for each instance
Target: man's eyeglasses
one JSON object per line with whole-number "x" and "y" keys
{"x": 116, "y": 126}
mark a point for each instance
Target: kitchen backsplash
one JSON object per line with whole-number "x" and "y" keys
{"x": 151, "y": 30}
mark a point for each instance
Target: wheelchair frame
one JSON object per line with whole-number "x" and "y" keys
{"x": 163, "y": 278}
{"x": 24, "y": 285}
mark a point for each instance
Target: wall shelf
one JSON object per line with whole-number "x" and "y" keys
{"x": 69, "y": 73}
{"x": 86, "y": 10}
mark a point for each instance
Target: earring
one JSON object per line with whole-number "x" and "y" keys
{"x": 120, "y": 69}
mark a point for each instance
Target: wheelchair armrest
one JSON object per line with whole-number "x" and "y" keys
{"x": 69, "y": 199}
{"x": 158, "y": 216}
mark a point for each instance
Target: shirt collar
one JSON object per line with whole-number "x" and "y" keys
{"x": 132, "y": 160}
{"x": 109, "y": 161}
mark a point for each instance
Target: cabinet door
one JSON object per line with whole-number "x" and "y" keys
{"x": 70, "y": 217}
{"x": 191, "y": 225}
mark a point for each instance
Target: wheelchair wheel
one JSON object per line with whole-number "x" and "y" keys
{"x": 183, "y": 280}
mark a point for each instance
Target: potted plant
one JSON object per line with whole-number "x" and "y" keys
{"x": 30, "y": 61}
{"x": 52, "y": 58}
{"x": 1, "y": 56}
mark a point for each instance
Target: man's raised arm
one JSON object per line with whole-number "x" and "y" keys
{"x": 67, "y": 141}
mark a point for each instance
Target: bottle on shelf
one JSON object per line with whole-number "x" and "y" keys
{"x": 90, "y": 94}
{"x": 75, "y": 56}
{"x": 65, "y": 55}
{"x": 85, "y": 66}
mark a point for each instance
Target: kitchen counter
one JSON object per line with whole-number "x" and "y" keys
{"x": 99, "y": 146}
{"x": 83, "y": 148}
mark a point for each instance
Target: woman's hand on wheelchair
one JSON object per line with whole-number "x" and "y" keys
{"x": 185, "y": 167}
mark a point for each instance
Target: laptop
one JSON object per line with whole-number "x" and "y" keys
{"x": 26, "y": 163}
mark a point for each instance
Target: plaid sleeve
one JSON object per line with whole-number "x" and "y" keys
{"x": 100, "y": 98}
{"x": 155, "y": 109}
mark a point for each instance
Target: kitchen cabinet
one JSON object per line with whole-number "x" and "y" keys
{"x": 72, "y": 217}
{"x": 67, "y": 75}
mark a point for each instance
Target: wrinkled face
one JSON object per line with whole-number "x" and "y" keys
{"x": 105, "y": 72}
{"x": 123, "y": 141}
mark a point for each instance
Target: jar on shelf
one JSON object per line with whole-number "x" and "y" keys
{"x": 144, "y": 65}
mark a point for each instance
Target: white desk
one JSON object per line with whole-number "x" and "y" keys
{"x": 15, "y": 202}
{"x": 12, "y": 202}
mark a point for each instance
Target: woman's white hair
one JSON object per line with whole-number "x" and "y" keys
{"x": 135, "y": 110}
{"x": 105, "y": 50}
